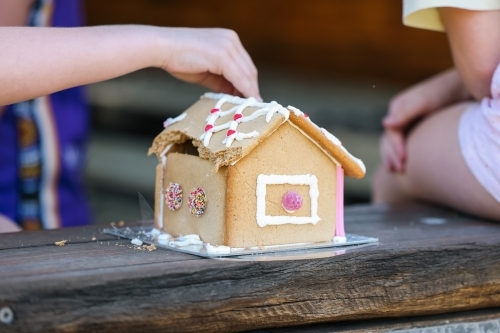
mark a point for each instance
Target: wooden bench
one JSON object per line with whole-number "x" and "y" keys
{"x": 428, "y": 261}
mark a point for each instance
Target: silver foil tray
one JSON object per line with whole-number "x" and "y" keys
{"x": 149, "y": 235}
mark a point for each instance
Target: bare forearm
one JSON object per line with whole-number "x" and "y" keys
{"x": 39, "y": 61}
{"x": 474, "y": 38}
{"x": 444, "y": 89}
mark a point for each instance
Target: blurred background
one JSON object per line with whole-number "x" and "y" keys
{"x": 339, "y": 61}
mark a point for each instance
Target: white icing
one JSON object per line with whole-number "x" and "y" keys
{"x": 217, "y": 248}
{"x": 296, "y": 111}
{"x": 164, "y": 239}
{"x": 165, "y": 151}
{"x": 241, "y": 136}
{"x": 136, "y": 241}
{"x": 162, "y": 199}
{"x": 339, "y": 240}
{"x": 171, "y": 121}
{"x": 264, "y": 180}
{"x": 153, "y": 232}
{"x": 194, "y": 239}
{"x": 267, "y": 109}
{"x": 355, "y": 159}
{"x": 333, "y": 139}
{"x": 186, "y": 240}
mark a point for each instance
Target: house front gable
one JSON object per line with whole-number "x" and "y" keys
{"x": 286, "y": 161}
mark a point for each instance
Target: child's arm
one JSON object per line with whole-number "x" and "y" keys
{"x": 474, "y": 38}
{"x": 412, "y": 104}
{"x": 39, "y": 61}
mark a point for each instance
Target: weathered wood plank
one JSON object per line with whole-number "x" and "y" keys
{"x": 49, "y": 237}
{"x": 453, "y": 322}
{"x": 417, "y": 269}
{"x": 78, "y": 257}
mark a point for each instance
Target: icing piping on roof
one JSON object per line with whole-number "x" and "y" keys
{"x": 355, "y": 159}
{"x": 267, "y": 109}
{"x": 171, "y": 121}
{"x": 333, "y": 139}
{"x": 328, "y": 135}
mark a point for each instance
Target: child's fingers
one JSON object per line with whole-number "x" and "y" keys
{"x": 242, "y": 81}
{"x": 247, "y": 63}
{"x": 235, "y": 64}
{"x": 403, "y": 111}
{"x": 393, "y": 161}
{"x": 240, "y": 70}
{"x": 393, "y": 151}
{"x": 194, "y": 53}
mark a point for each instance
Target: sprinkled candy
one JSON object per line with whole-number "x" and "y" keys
{"x": 291, "y": 201}
{"x": 197, "y": 202}
{"x": 173, "y": 196}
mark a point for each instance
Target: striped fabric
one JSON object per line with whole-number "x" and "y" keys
{"x": 42, "y": 145}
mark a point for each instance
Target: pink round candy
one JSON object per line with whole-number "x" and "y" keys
{"x": 291, "y": 201}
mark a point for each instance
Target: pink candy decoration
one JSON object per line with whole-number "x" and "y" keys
{"x": 291, "y": 201}
{"x": 237, "y": 116}
{"x": 214, "y": 110}
{"x": 208, "y": 127}
{"x": 231, "y": 132}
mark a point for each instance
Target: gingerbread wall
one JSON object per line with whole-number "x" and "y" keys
{"x": 191, "y": 172}
{"x": 286, "y": 151}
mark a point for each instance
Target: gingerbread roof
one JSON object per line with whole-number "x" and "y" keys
{"x": 226, "y": 128}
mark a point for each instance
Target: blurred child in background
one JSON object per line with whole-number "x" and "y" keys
{"x": 442, "y": 136}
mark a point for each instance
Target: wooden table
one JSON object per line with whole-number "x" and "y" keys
{"x": 420, "y": 267}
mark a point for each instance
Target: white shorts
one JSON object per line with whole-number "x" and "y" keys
{"x": 479, "y": 137}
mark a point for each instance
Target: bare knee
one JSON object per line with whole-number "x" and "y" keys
{"x": 386, "y": 188}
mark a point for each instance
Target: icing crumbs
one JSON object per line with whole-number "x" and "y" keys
{"x": 136, "y": 241}
{"x": 61, "y": 243}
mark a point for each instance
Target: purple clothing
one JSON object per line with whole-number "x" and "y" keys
{"x": 62, "y": 126}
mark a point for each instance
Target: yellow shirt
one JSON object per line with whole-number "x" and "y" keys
{"x": 424, "y": 14}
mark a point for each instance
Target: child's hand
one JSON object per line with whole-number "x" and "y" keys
{"x": 214, "y": 58}
{"x": 392, "y": 151}
{"x": 406, "y": 108}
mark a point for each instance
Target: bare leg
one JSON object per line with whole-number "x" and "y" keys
{"x": 436, "y": 171}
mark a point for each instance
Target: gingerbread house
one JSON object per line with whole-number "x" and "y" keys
{"x": 241, "y": 173}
